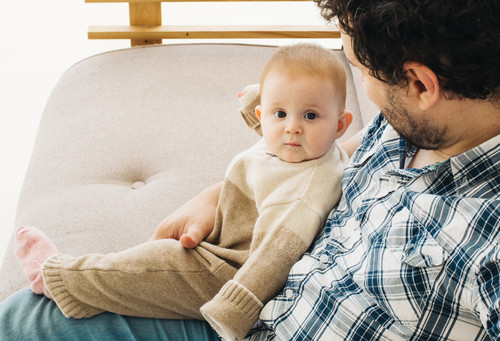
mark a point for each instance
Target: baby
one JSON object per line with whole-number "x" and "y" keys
{"x": 275, "y": 199}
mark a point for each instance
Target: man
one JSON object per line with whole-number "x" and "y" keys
{"x": 411, "y": 252}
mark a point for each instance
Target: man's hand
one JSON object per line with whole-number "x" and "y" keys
{"x": 193, "y": 221}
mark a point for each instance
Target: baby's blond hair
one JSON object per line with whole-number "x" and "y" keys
{"x": 311, "y": 60}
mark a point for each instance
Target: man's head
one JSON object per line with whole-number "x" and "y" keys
{"x": 431, "y": 66}
{"x": 459, "y": 40}
{"x": 303, "y": 91}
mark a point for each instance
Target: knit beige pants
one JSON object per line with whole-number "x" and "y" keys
{"x": 157, "y": 279}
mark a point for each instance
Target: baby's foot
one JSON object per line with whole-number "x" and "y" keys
{"x": 33, "y": 248}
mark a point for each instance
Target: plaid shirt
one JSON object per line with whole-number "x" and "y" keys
{"x": 409, "y": 254}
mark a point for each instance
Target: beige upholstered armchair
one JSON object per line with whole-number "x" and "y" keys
{"x": 128, "y": 136}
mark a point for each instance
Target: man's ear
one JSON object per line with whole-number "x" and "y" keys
{"x": 423, "y": 84}
{"x": 257, "y": 111}
{"x": 344, "y": 122}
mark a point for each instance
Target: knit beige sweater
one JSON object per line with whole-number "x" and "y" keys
{"x": 292, "y": 201}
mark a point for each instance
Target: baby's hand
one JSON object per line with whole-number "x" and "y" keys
{"x": 249, "y": 99}
{"x": 245, "y": 90}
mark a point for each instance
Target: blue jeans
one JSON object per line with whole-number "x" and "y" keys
{"x": 26, "y": 316}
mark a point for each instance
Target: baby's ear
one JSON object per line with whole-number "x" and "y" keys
{"x": 258, "y": 112}
{"x": 345, "y": 121}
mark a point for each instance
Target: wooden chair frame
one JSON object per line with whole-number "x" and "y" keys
{"x": 146, "y": 26}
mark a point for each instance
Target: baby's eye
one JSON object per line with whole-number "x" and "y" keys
{"x": 280, "y": 114}
{"x": 310, "y": 116}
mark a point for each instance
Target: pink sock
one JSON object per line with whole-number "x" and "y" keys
{"x": 33, "y": 248}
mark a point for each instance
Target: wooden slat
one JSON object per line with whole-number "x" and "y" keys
{"x": 138, "y": 1}
{"x": 146, "y": 26}
{"x": 145, "y": 14}
{"x": 212, "y": 32}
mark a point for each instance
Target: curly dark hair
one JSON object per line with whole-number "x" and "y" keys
{"x": 458, "y": 39}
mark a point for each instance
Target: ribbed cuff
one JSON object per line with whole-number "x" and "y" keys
{"x": 245, "y": 300}
{"x": 53, "y": 280}
{"x": 233, "y": 311}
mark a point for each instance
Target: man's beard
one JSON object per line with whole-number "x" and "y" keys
{"x": 417, "y": 131}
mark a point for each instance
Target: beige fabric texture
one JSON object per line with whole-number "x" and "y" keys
{"x": 127, "y": 136}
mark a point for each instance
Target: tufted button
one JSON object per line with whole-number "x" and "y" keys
{"x": 138, "y": 184}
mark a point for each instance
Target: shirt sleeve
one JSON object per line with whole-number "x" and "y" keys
{"x": 487, "y": 293}
{"x": 235, "y": 309}
{"x": 248, "y": 103}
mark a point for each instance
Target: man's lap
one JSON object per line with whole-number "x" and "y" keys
{"x": 26, "y": 316}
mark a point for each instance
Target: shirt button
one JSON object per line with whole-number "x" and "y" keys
{"x": 289, "y": 293}
{"x": 324, "y": 259}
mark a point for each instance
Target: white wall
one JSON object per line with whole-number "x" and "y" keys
{"x": 41, "y": 39}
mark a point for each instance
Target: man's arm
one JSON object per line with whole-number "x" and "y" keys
{"x": 193, "y": 221}
{"x": 486, "y": 297}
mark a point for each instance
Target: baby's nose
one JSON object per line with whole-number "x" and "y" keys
{"x": 293, "y": 127}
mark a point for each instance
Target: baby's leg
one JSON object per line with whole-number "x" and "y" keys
{"x": 158, "y": 279}
{"x": 32, "y": 249}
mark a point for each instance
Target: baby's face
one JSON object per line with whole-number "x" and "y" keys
{"x": 299, "y": 116}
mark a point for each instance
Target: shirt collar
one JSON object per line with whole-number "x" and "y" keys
{"x": 477, "y": 163}
{"x": 471, "y": 165}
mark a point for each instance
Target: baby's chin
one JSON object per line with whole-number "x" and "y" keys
{"x": 296, "y": 159}
{"x": 297, "y": 154}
